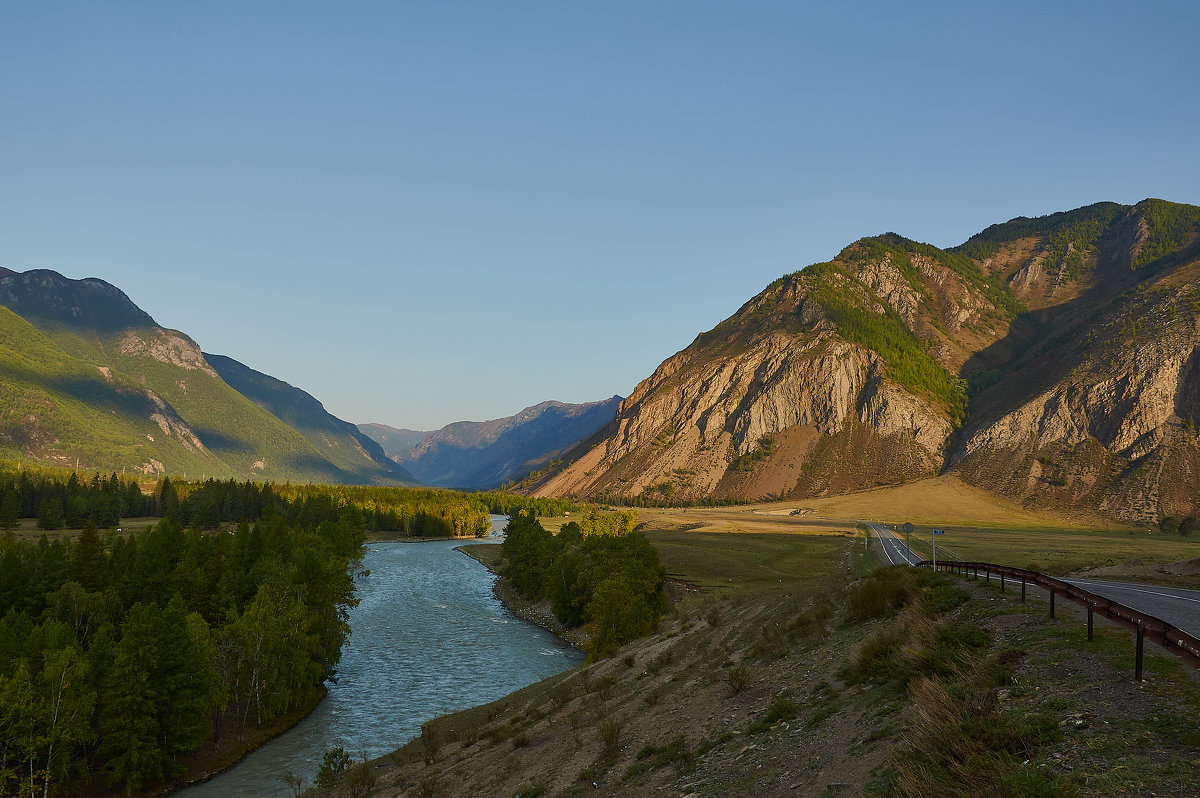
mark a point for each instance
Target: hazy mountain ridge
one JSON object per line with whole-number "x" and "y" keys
{"x": 340, "y": 441}
{"x": 101, "y": 386}
{"x": 485, "y": 454}
{"x": 396, "y": 443}
{"x": 1063, "y": 346}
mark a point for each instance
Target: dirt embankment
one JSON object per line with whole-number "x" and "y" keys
{"x": 733, "y": 697}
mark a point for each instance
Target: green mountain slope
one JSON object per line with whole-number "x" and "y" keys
{"x": 200, "y": 426}
{"x": 59, "y": 409}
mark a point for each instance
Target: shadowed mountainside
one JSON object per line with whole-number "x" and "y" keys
{"x": 340, "y": 441}
{"x": 484, "y": 454}
{"x": 396, "y": 443}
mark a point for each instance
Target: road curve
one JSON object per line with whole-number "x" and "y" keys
{"x": 1177, "y": 606}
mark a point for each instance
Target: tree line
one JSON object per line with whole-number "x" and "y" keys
{"x": 601, "y": 572}
{"x": 58, "y": 501}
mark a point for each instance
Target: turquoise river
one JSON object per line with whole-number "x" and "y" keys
{"x": 428, "y": 637}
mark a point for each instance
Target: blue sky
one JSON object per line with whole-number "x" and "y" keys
{"x": 429, "y": 212}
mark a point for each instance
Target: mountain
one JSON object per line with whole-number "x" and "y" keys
{"x": 90, "y": 381}
{"x": 396, "y": 443}
{"x": 1052, "y": 359}
{"x": 339, "y": 441}
{"x": 485, "y": 454}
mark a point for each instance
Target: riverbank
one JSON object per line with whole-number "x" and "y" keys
{"x": 538, "y": 613}
{"x": 224, "y": 753}
{"x": 231, "y": 749}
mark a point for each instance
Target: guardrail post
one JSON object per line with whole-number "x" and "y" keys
{"x": 1001, "y": 581}
{"x": 1089, "y": 623}
{"x": 1052, "y": 592}
{"x": 1137, "y": 668}
{"x": 987, "y": 572}
{"x": 1022, "y": 588}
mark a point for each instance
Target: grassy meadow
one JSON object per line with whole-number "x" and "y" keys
{"x": 1054, "y": 551}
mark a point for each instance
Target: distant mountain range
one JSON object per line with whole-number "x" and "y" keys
{"x": 1053, "y": 359}
{"x": 485, "y": 454}
{"x": 396, "y": 443}
{"x": 90, "y": 381}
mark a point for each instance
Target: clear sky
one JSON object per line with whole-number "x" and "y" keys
{"x": 423, "y": 212}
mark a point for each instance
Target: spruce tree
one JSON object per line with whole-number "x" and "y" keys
{"x": 88, "y": 565}
{"x": 129, "y": 718}
{"x": 10, "y": 509}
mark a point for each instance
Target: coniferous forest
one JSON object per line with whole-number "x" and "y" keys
{"x": 121, "y": 653}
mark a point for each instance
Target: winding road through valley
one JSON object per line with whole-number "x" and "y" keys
{"x": 1177, "y": 606}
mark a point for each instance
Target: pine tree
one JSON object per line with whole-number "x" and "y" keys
{"x": 186, "y": 676}
{"x": 50, "y": 514}
{"x": 10, "y": 509}
{"x": 129, "y": 721}
{"x": 88, "y": 565}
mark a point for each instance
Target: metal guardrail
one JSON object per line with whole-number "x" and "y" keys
{"x": 1178, "y": 642}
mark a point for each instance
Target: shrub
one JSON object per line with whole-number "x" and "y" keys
{"x": 333, "y": 765}
{"x": 429, "y": 787}
{"x": 811, "y": 623}
{"x": 360, "y": 779}
{"x": 782, "y": 707}
{"x": 943, "y": 598}
{"x": 660, "y": 661}
{"x": 773, "y": 642}
{"x": 736, "y": 678}
{"x": 872, "y": 659}
{"x": 884, "y": 591}
{"x": 609, "y": 731}
{"x": 674, "y": 753}
{"x": 603, "y": 686}
{"x": 431, "y": 742}
{"x": 561, "y": 693}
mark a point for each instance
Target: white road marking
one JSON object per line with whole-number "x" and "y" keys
{"x": 1125, "y": 586}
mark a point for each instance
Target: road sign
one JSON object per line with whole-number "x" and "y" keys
{"x": 936, "y": 532}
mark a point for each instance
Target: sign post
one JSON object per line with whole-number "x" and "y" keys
{"x": 908, "y": 530}
{"x": 936, "y": 532}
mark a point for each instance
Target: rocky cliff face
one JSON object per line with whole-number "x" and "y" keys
{"x": 744, "y": 410}
{"x": 1105, "y": 419}
{"x": 1077, "y": 335}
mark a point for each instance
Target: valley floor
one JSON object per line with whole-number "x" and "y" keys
{"x": 772, "y": 682}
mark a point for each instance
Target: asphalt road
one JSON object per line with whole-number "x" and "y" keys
{"x": 1177, "y": 606}
{"x": 893, "y": 548}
